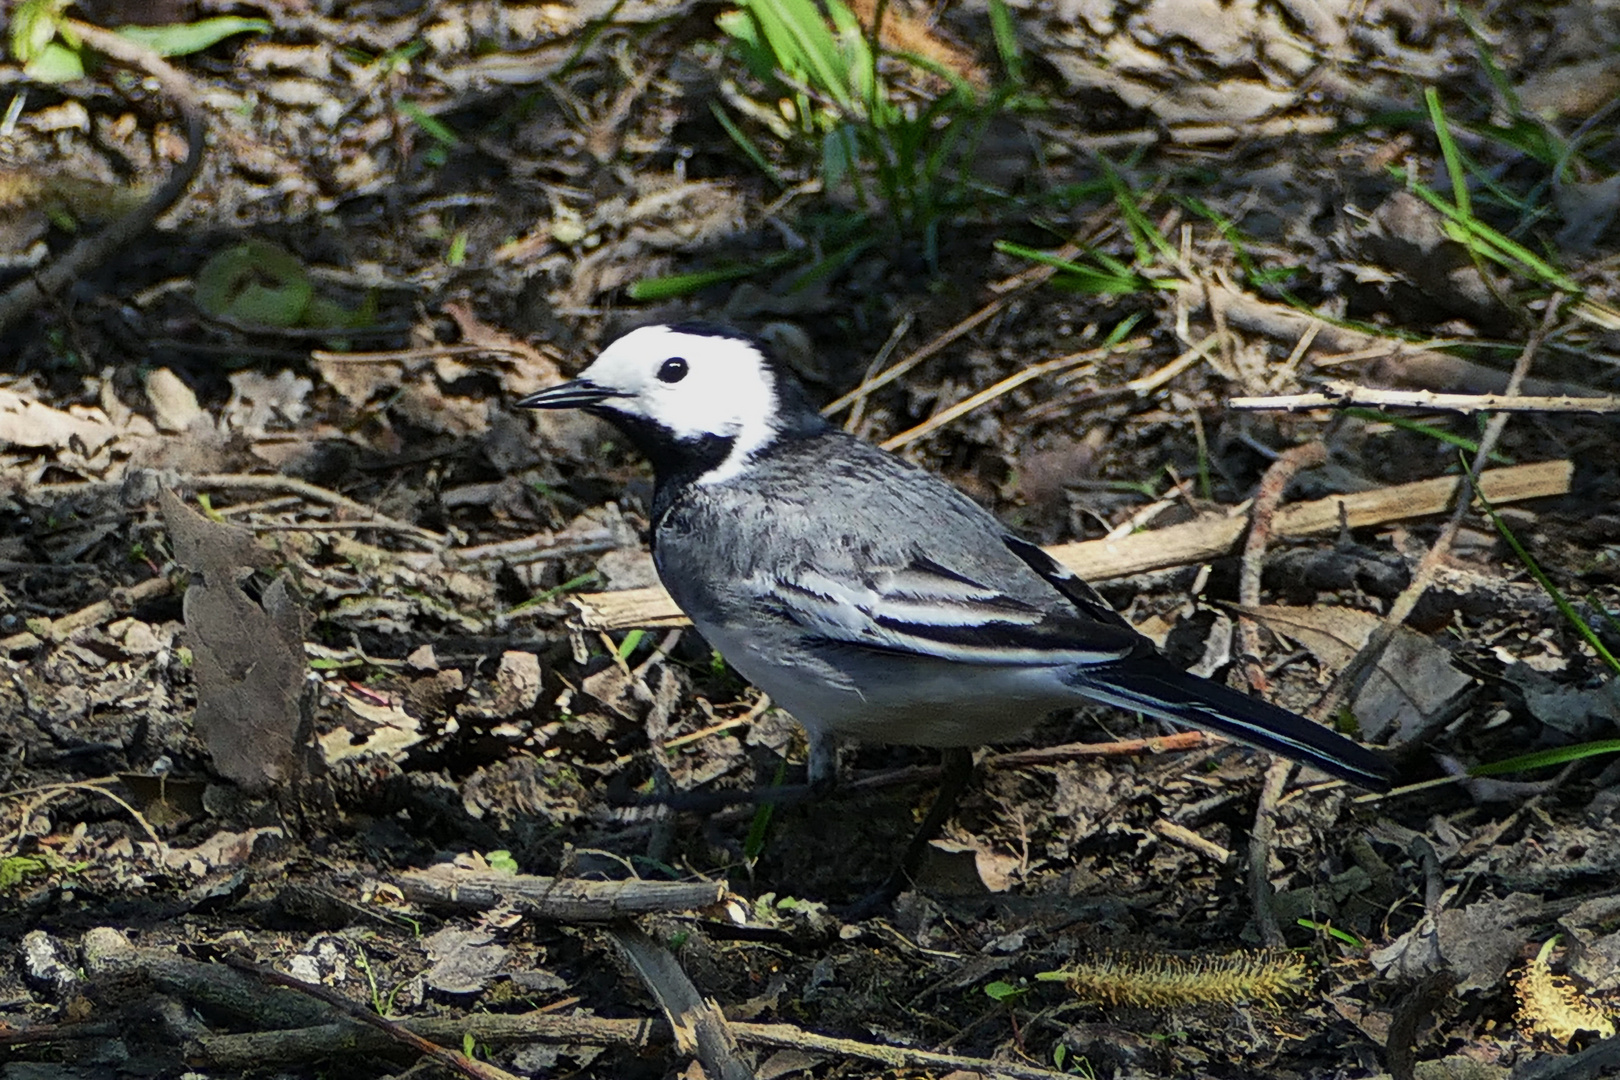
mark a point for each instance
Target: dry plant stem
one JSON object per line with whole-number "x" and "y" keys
{"x": 1266, "y": 500}
{"x": 298, "y": 1045}
{"x": 119, "y": 602}
{"x": 1178, "y": 545}
{"x": 562, "y": 899}
{"x": 97, "y": 787}
{"x": 700, "y": 1028}
{"x": 1010, "y": 383}
{"x": 1341, "y": 395}
{"x": 1361, "y": 666}
{"x": 41, "y": 1033}
{"x": 1403, "y": 362}
{"x": 536, "y": 548}
{"x": 1052, "y": 755}
{"x": 257, "y": 482}
{"x": 1260, "y": 844}
{"x": 453, "y": 1060}
{"x": 1192, "y": 841}
{"x": 1155, "y": 379}
{"x": 396, "y": 356}
{"x": 855, "y": 421}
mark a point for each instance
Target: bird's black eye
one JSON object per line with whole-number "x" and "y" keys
{"x": 673, "y": 370}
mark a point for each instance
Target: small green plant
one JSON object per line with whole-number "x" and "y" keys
{"x": 1095, "y": 272}
{"x": 1082, "y": 1067}
{"x": 444, "y": 139}
{"x": 15, "y": 869}
{"x": 262, "y": 284}
{"x": 501, "y": 860}
{"x": 382, "y": 1006}
{"x": 1333, "y": 932}
{"x": 1484, "y": 242}
{"x": 838, "y": 110}
{"x": 456, "y": 255}
{"x": 759, "y": 828}
{"x": 631, "y": 641}
{"x": 1005, "y": 993}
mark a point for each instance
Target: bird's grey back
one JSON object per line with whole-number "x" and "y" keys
{"x": 838, "y": 504}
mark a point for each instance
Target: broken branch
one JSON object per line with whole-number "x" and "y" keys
{"x": 1178, "y": 545}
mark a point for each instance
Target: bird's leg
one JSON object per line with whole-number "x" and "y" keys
{"x": 958, "y": 762}
{"x": 823, "y": 767}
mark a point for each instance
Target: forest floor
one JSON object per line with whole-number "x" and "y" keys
{"x": 320, "y": 658}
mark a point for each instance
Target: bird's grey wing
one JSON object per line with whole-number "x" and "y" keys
{"x": 919, "y": 607}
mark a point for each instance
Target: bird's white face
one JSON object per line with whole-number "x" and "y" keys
{"x": 693, "y": 386}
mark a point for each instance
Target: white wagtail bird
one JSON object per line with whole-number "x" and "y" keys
{"x": 869, "y": 598}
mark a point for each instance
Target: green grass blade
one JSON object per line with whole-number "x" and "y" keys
{"x": 745, "y": 144}
{"x": 1449, "y": 151}
{"x": 1332, "y": 931}
{"x": 797, "y": 33}
{"x": 858, "y": 61}
{"x": 1420, "y": 428}
{"x": 1144, "y": 233}
{"x": 759, "y": 828}
{"x": 1499, "y": 248}
{"x": 628, "y": 645}
{"x": 673, "y": 285}
{"x": 1006, "y": 37}
{"x": 1565, "y": 608}
{"x": 1560, "y": 755}
{"x": 183, "y": 39}
{"x": 436, "y": 129}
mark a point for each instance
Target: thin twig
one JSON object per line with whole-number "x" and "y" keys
{"x": 93, "y": 787}
{"x": 258, "y": 482}
{"x": 450, "y": 1059}
{"x": 1155, "y": 379}
{"x": 298, "y": 1045}
{"x": 1007, "y": 291}
{"x": 118, "y": 601}
{"x": 1341, "y": 395}
{"x": 401, "y": 356}
{"x": 1266, "y": 500}
{"x": 1010, "y": 383}
{"x": 1260, "y": 842}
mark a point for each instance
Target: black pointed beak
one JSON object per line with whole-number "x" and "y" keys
{"x": 575, "y": 394}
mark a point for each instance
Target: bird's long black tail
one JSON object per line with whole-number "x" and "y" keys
{"x": 1153, "y": 685}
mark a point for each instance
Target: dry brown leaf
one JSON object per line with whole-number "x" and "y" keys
{"x": 1413, "y": 679}
{"x": 252, "y": 712}
{"x": 25, "y": 422}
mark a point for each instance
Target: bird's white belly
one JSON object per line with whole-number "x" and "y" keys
{"x": 910, "y": 701}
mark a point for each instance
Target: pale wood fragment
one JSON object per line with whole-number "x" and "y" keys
{"x": 1178, "y": 545}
